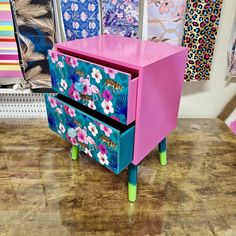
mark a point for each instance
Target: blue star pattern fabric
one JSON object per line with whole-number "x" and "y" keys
{"x": 80, "y": 18}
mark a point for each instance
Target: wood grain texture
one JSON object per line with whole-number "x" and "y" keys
{"x": 43, "y": 192}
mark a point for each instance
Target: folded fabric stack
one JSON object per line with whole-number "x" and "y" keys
{"x": 10, "y": 70}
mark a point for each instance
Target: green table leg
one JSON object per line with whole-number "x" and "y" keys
{"x": 162, "y": 151}
{"x": 132, "y": 182}
{"x": 74, "y": 153}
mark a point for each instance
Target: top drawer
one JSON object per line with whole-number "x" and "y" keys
{"x": 104, "y": 89}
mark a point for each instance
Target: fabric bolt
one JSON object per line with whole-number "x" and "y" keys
{"x": 121, "y": 17}
{"x": 166, "y": 20}
{"x": 81, "y": 18}
{"x": 200, "y": 31}
{"x": 232, "y": 56}
{"x": 36, "y": 35}
{"x": 9, "y": 61}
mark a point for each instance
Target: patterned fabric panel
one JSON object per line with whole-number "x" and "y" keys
{"x": 232, "y": 56}
{"x": 81, "y": 18}
{"x": 200, "y": 31}
{"x": 35, "y": 23}
{"x": 102, "y": 89}
{"x": 121, "y": 17}
{"x": 96, "y": 139}
{"x": 166, "y": 20}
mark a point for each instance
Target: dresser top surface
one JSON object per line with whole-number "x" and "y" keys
{"x": 128, "y": 52}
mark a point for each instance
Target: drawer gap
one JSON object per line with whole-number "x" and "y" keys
{"x": 132, "y": 72}
{"x": 113, "y": 123}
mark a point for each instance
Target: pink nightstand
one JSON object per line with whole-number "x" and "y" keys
{"x": 145, "y": 77}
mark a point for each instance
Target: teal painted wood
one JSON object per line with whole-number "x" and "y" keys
{"x": 99, "y": 88}
{"x": 127, "y": 148}
{"x": 162, "y": 145}
{"x": 132, "y": 174}
{"x": 97, "y": 139}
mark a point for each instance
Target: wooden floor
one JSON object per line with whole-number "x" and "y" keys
{"x": 43, "y": 192}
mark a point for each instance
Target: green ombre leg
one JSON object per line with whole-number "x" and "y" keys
{"x": 132, "y": 184}
{"x": 162, "y": 151}
{"x": 74, "y": 152}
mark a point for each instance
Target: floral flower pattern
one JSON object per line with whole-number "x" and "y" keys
{"x": 80, "y": 18}
{"x": 94, "y": 138}
{"x": 121, "y": 17}
{"x": 99, "y": 88}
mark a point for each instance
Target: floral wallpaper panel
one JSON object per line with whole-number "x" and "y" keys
{"x": 166, "y": 20}
{"x": 81, "y": 18}
{"x": 121, "y": 17}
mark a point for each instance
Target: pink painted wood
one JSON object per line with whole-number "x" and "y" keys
{"x": 160, "y": 68}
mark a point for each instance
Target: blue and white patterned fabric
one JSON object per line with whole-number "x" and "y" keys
{"x": 80, "y": 18}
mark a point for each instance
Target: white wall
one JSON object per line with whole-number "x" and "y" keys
{"x": 206, "y": 99}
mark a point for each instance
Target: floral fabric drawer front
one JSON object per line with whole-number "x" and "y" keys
{"x": 99, "y": 88}
{"x": 102, "y": 142}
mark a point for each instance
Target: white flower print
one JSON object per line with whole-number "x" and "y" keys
{"x": 92, "y": 128}
{"x": 106, "y": 130}
{"x": 74, "y": 7}
{"x": 92, "y": 105}
{"x": 91, "y": 7}
{"x": 88, "y": 152}
{"x": 96, "y": 74}
{"x": 69, "y": 33}
{"x": 103, "y": 159}
{"x": 62, "y": 128}
{"x": 107, "y": 107}
{"x": 61, "y": 89}
{"x": 84, "y": 33}
{"x": 75, "y": 25}
{"x": 83, "y": 16}
{"x": 92, "y": 25}
{"x": 64, "y": 84}
{"x": 67, "y": 16}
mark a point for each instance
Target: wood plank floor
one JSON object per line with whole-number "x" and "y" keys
{"x": 43, "y": 192}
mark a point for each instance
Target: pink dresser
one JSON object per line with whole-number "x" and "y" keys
{"x": 118, "y": 99}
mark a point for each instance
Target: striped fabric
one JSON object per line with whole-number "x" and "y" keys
{"x": 9, "y": 60}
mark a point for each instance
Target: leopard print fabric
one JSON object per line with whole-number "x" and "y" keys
{"x": 200, "y": 31}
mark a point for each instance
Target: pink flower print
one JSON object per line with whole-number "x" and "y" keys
{"x": 92, "y": 105}
{"x": 53, "y": 56}
{"x": 107, "y": 95}
{"x": 67, "y": 16}
{"x": 53, "y": 102}
{"x": 112, "y": 73}
{"x": 62, "y": 128}
{"x": 82, "y": 136}
{"x": 88, "y": 152}
{"x": 60, "y": 64}
{"x": 74, "y": 7}
{"x": 64, "y": 84}
{"x": 71, "y": 112}
{"x": 86, "y": 89}
{"x": 91, "y": 140}
{"x": 102, "y": 149}
{"x": 179, "y": 11}
{"x": 107, "y": 107}
{"x": 71, "y": 140}
{"x": 71, "y": 91}
{"x": 82, "y": 80}
{"x": 76, "y": 96}
{"x": 59, "y": 111}
{"x": 165, "y": 7}
{"x": 103, "y": 159}
{"x": 106, "y": 130}
{"x": 94, "y": 89}
{"x": 114, "y": 2}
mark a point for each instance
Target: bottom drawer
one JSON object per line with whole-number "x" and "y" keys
{"x": 108, "y": 141}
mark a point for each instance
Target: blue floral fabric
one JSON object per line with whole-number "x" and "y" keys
{"x": 121, "y": 17}
{"x": 95, "y": 138}
{"x": 80, "y": 18}
{"x": 99, "y": 88}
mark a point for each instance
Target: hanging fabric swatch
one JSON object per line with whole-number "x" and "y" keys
{"x": 10, "y": 71}
{"x": 81, "y": 18}
{"x": 35, "y": 30}
{"x": 232, "y": 55}
{"x": 166, "y": 20}
{"x": 121, "y": 17}
{"x": 200, "y": 31}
